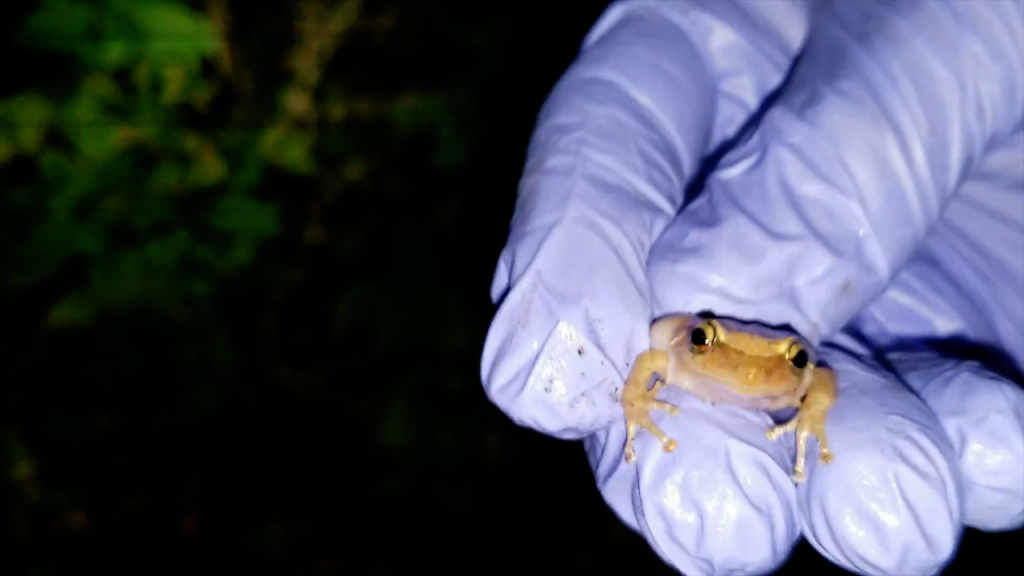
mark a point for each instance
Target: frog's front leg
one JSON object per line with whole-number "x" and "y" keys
{"x": 638, "y": 400}
{"x": 810, "y": 420}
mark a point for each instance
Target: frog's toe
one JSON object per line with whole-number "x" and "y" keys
{"x": 639, "y": 418}
{"x": 638, "y": 409}
{"x": 671, "y": 409}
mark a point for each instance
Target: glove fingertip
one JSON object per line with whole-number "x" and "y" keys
{"x": 722, "y": 502}
{"x": 983, "y": 415}
{"x": 556, "y": 383}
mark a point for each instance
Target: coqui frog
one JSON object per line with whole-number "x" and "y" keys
{"x": 726, "y": 361}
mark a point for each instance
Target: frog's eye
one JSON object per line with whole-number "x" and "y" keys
{"x": 798, "y": 356}
{"x": 703, "y": 336}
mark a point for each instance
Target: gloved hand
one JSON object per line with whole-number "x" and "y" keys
{"x": 882, "y": 193}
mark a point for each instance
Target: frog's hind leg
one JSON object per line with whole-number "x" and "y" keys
{"x": 638, "y": 400}
{"x": 645, "y": 423}
{"x": 824, "y": 453}
{"x": 800, "y": 467}
{"x": 810, "y": 421}
{"x": 812, "y": 425}
{"x": 805, "y": 424}
{"x": 655, "y": 404}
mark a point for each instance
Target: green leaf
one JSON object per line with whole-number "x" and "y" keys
{"x": 289, "y": 148}
{"x": 168, "y": 177}
{"x": 73, "y": 311}
{"x": 122, "y": 32}
{"x": 174, "y": 81}
{"x": 88, "y": 124}
{"x": 239, "y": 215}
{"x": 248, "y": 170}
{"x": 61, "y": 25}
{"x": 7, "y": 150}
{"x": 55, "y": 166}
{"x": 166, "y": 253}
{"x": 208, "y": 166}
{"x": 26, "y": 117}
{"x": 173, "y": 33}
{"x": 113, "y": 53}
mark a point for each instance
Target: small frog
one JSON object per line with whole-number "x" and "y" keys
{"x": 732, "y": 362}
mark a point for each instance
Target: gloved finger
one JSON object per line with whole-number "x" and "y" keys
{"x": 650, "y": 94}
{"x": 983, "y": 415}
{"x": 966, "y": 281}
{"x": 808, "y": 221}
{"x": 961, "y": 295}
{"x": 888, "y": 504}
{"x": 721, "y": 503}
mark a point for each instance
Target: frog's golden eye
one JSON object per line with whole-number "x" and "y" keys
{"x": 703, "y": 336}
{"x": 798, "y": 356}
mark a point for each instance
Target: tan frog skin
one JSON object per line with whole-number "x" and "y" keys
{"x": 731, "y": 362}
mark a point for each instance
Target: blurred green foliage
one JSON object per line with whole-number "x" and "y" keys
{"x": 119, "y": 156}
{"x": 246, "y": 250}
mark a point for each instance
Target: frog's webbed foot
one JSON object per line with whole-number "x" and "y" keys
{"x": 806, "y": 423}
{"x": 638, "y": 401}
{"x": 638, "y": 415}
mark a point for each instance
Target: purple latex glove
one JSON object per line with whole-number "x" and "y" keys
{"x": 883, "y": 193}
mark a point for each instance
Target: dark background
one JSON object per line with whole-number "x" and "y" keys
{"x": 290, "y": 385}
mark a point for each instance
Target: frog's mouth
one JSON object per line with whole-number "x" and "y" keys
{"x": 760, "y": 397}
